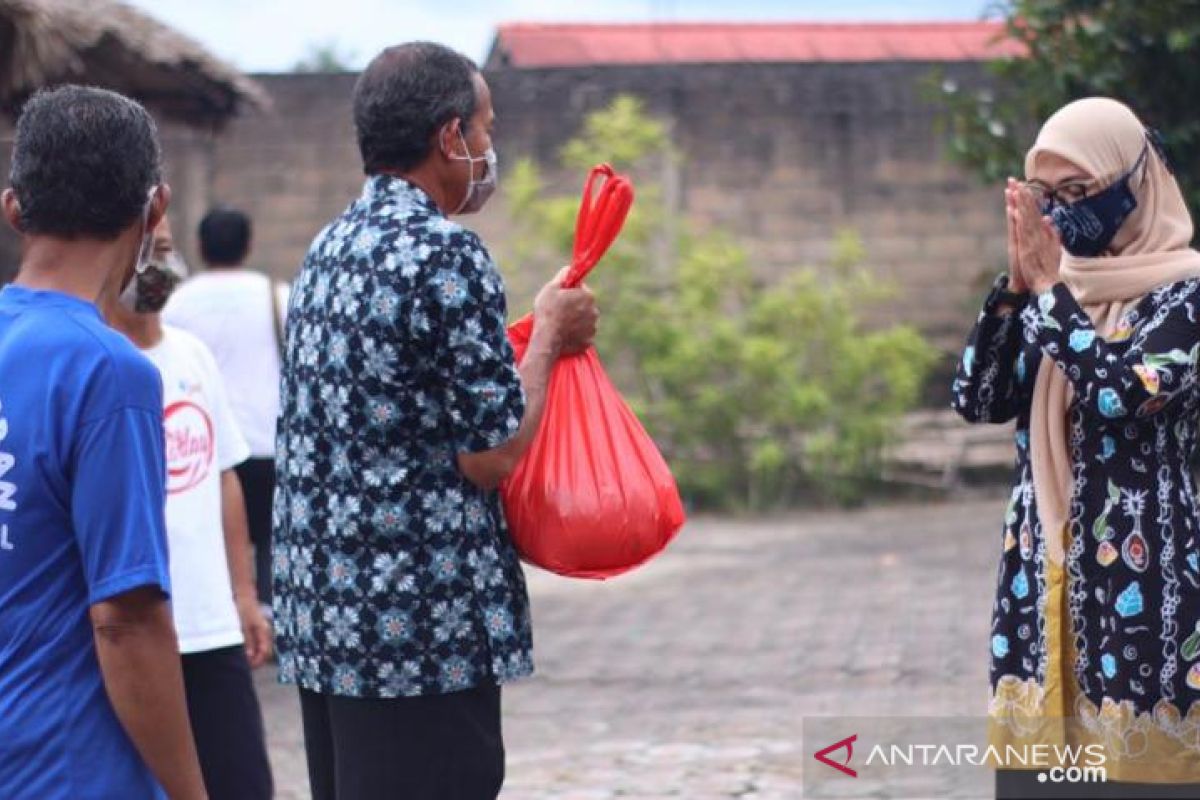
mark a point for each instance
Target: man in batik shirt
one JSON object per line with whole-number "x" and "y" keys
{"x": 401, "y": 606}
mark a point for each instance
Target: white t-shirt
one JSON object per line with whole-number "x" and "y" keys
{"x": 230, "y": 311}
{"x": 202, "y": 441}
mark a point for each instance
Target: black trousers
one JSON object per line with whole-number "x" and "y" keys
{"x": 438, "y": 747}
{"x": 227, "y": 725}
{"x": 1021, "y": 784}
{"x": 257, "y": 476}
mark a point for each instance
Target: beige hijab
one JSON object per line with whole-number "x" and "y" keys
{"x": 1104, "y": 138}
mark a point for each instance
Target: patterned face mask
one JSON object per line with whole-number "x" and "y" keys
{"x": 1088, "y": 226}
{"x": 153, "y": 284}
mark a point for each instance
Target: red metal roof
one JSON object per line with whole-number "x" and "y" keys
{"x": 573, "y": 45}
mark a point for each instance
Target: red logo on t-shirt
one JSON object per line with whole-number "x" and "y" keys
{"x": 189, "y": 434}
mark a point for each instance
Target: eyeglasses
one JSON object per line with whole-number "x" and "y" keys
{"x": 1062, "y": 195}
{"x": 1073, "y": 191}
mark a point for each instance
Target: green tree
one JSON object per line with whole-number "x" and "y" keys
{"x": 325, "y": 57}
{"x": 756, "y": 393}
{"x": 1145, "y": 54}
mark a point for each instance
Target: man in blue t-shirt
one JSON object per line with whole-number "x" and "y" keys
{"x": 91, "y": 695}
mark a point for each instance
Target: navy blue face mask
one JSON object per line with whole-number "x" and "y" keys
{"x": 1088, "y": 226}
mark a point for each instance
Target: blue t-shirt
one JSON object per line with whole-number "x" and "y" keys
{"x": 82, "y": 475}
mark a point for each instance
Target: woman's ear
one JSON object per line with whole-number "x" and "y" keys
{"x": 12, "y": 209}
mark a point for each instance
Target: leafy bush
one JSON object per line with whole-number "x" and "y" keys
{"x": 756, "y": 393}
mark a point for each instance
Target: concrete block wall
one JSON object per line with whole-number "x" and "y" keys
{"x": 292, "y": 168}
{"x": 784, "y": 156}
{"x": 781, "y": 156}
{"x": 187, "y": 165}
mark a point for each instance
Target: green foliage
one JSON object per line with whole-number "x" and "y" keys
{"x": 324, "y": 58}
{"x": 1145, "y": 54}
{"x": 756, "y": 392}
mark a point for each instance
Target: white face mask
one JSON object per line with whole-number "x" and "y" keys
{"x": 478, "y": 191}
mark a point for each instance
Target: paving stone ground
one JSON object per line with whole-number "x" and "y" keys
{"x": 690, "y": 678}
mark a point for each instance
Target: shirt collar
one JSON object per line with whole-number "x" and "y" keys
{"x": 20, "y": 295}
{"x": 399, "y": 190}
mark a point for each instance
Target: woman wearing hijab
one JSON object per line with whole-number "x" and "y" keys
{"x": 1090, "y": 342}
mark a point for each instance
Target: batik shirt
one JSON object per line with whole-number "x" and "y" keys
{"x": 1111, "y": 638}
{"x": 394, "y": 575}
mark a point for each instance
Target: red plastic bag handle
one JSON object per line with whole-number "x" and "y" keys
{"x": 601, "y": 216}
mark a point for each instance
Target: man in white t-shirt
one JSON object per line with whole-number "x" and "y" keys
{"x": 221, "y": 628}
{"x": 238, "y": 313}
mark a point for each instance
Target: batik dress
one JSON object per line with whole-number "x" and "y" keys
{"x": 1106, "y": 647}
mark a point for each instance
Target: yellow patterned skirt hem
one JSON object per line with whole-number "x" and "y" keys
{"x": 1157, "y": 746}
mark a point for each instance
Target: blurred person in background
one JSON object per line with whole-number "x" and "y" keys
{"x": 222, "y": 631}
{"x": 238, "y": 313}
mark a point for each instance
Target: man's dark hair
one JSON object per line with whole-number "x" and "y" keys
{"x": 83, "y": 163}
{"x": 224, "y": 237}
{"x": 406, "y": 93}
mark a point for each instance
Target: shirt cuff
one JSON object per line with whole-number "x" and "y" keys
{"x": 148, "y": 575}
{"x": 1001, "y": 294}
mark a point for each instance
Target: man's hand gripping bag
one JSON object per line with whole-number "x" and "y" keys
{"x": 592, "y": 497}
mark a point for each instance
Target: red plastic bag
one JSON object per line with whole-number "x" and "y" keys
{"x": 592, "y": 497}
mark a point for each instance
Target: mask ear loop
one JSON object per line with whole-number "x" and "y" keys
{"x": 462, "y": 137}
{"x": 143, "y": 262}
{"x": 1143, "y": 163}
{"x": 1155, "y": 137}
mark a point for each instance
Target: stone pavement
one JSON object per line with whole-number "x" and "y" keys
{"x": 689, "y": 678}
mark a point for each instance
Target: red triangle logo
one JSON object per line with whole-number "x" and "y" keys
{"x": 844, "y": 766}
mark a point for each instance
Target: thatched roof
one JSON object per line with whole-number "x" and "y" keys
{"x": 107, "y": 43}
